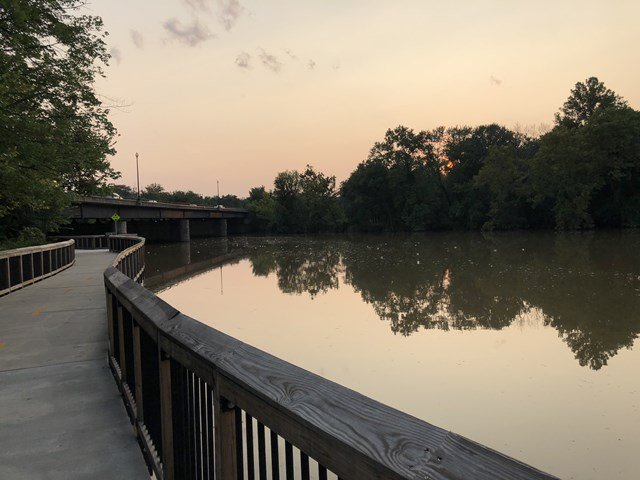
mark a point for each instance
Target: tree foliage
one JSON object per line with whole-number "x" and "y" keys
{"x": 300, "y": 202}
{"x": 399, "y": 186}
{"x": 54, "y": 129}
{"x": 156, "y": 192}
{"x": 582, "y": 174}
{"x": 585, "y": 99}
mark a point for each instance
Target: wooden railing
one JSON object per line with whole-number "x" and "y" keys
{"x": 205, "y": 405}
{"x": 87, "y": 242}
{"x": 23, "y": 266}
{"x": 130, "y": 259}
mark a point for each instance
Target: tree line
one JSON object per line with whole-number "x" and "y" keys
{"x": 584, "y": 173}
{"x": 156, "y": 192}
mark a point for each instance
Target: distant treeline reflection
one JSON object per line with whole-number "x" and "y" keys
{"x": 585, "y": 286}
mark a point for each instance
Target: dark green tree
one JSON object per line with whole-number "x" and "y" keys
{"x": 125, "y": 191}
{"x": 55, "y": 133}
{"x": 306, "y": 202}
{"x": 287, "y": 191}
{"x": 586, "y": 98}
{"x": 154, "y": 191}
{"x": 504, "y": 176}
{"x": 263, "y": 208}
{"x": 466, "y": 150}
{"x": 399, "y": 186}
{"x": 590, "y": 176}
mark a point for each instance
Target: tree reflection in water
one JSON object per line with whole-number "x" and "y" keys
{"x": 586, "y": 286}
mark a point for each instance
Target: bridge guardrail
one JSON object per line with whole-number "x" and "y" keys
{"x": 24, "y": 266}
{"x": 206, "y": 405}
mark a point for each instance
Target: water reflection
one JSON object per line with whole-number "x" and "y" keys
{"x": 586, "y": 286}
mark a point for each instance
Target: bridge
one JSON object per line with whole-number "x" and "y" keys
{"x": 203, "y": 405}
{"x": 156, "y": 221}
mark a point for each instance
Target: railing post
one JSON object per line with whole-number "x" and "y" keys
{"x": 166, "y": 416}
{"x": 137, "y": 371}
{"x": 9, "y": 273}
{"x": 226, "y": 437}
{"x": 122, "y": 361}
{"x": 21, "y": 270}
{"x": 110, "y": 320}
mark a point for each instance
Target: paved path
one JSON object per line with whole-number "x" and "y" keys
{"x": 61, "y": 415}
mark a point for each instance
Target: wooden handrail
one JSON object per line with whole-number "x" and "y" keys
{"x": 24, "y": 266}
{"x": 179, "y": 378}
{"x": 130, "y": 259}
{"x": 86, "y": 242}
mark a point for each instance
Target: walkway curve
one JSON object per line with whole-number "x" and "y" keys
{"x": 61, "y": 414}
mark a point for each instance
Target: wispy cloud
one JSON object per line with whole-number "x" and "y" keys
{"x": 270, "y": 62}
{"x": 199, "y": 5}
{"x": 291, "y": 55}
{"x": 137, "y": 38}
{"x": 116, "y": 54}
{"x": 243, "y": 60}
{"x": 229, "y": 11}
{"x": 495, "y": 81}
{"x": 191, "y": 34}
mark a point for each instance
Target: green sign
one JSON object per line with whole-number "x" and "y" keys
{"x": 115, "y": 217}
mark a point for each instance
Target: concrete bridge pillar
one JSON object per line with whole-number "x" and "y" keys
{"x": 183, "y": 253}
{"x": 121, "y": 227}
{"x": 220, "y": 228}
{"x": 185, "y": 233}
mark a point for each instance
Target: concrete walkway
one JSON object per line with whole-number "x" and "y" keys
{"x": 61, "y": 415}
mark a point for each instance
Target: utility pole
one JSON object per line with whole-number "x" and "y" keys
{"x": 218, "y": 186}
{"x": 138, "y": 176}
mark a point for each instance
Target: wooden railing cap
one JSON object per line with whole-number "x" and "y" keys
{"x": 35, "y": 249}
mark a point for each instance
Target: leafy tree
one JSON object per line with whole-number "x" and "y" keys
{"x": 286, "y": 193}
{"x": 256, "y": 194}
{"x": 321, "y": 207}
{"x": 154, "y": 191}
{"x": 504, "y": 175}
{"x": 586, "y": 98}
{"x": 306, "y": 202}
{"x": 565, "y": 175}
{"x": 125, "y": 191}
{"x": 366, "y": 197}
{"x": 263, "y": 207}
{"x": 466, "y": 150}
{"x": 399, "y": 185}
{"x": 228, "y": 201}
{"x": 591, "y": 175}
{"x": 54, "y": 130}
{"x": 615, "y": 135}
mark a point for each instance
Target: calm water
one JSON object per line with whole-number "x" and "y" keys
{"x": 526, "y": 342}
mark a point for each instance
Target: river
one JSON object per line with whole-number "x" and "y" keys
{"x": 524, "y": 342}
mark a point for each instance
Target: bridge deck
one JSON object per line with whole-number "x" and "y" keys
{"x": 61, "y": 415}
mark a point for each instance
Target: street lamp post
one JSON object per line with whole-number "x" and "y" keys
{"x": 138, "y": 176}
{"x": 218, "y": 187}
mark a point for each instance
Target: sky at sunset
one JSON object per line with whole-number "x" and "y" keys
{"x": 238, "y": 90}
